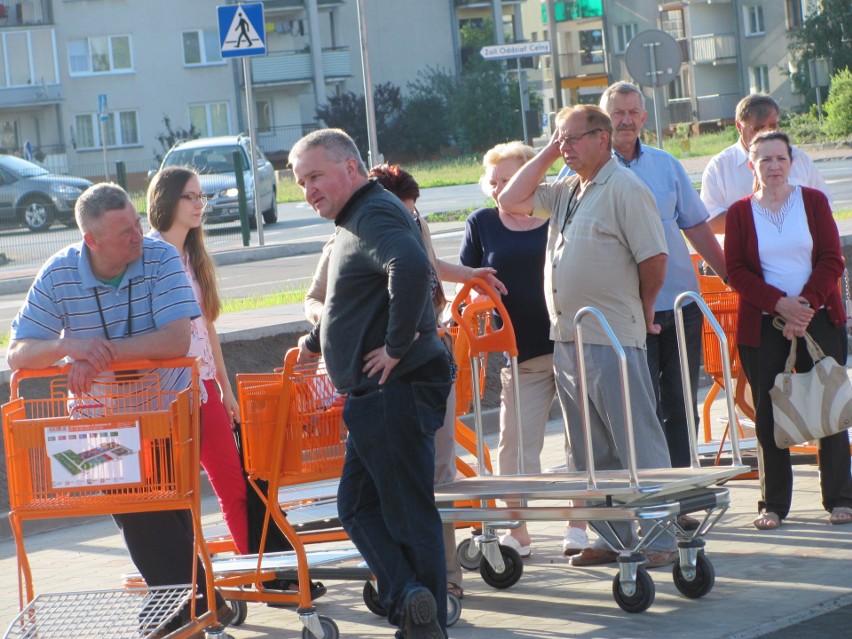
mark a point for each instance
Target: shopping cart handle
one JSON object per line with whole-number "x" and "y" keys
{"x": 500, "y": 340}
{"x": 130, "y": 365}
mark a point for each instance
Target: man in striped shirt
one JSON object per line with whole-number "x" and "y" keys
{"x": 116, "y": 296}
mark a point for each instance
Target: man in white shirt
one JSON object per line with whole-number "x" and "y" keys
{"x": 727, "y": 177}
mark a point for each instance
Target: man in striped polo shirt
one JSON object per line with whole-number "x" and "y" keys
{"x": 116, "y": 296}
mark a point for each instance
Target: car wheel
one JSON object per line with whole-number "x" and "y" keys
{"x": 37, "y": 213}
{"x": 270, "y": 215}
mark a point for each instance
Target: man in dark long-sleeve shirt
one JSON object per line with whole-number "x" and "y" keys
{"x": 378, "y": 337}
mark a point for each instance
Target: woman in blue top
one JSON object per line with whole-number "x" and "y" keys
{"x": 515, "y": 246}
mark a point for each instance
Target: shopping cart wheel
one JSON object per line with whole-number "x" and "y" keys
{"x": 454, "y": 609}
{"x": 512, "y": 571}
{"x": 329, "y": 628}
{"x": 643, "y": 596}
{"x": 468, "y": 554}
{"x": 701, "y": 584}
{"x": 371, "y": 600}
{"x": 240, "y": 610}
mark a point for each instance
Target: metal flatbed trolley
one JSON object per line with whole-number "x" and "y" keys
{"x": 130, "y": 445}
{"x": 650, "y": 495}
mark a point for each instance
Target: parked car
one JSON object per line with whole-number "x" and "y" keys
{"x": 213, "y": 158}
{"x": 32, "y": 196}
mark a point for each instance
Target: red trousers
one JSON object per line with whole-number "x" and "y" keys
{"x": 221, "y": 460}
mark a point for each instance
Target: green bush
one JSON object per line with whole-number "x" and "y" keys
{"x": 802, "y": 127}
{"x": 838, "y": 107}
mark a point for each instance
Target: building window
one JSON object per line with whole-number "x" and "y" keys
{"x": 201, "y": 47}
{"x": 120, "y": 129}
{"x": 679, "y": 87}
{"x": 103, "y": 54}
{"x": 591, "y": 46}
{"x": 795, "y": 14}
{"x": 671, "y": 21}
{"x": 264, "y": 114}
{"x": 27, "y": 58}
{"x": 753, "y": 18}
{"x": 624, "y": 33}
{"x": 759, "y": 79}
{"x": 210, "y": 119}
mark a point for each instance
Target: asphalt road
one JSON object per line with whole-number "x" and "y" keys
{"x": 297, "y": 222}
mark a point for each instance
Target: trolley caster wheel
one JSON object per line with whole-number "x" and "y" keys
{"x": 641, "y": 599}
{"x": 512, "y": 571}
{"x": 329, "y": 629}
{"x": 240, "y": 610}
{"x": 371, "y": 600}
{"x": 468, "y": 554}
{"x": 454, "y": 609}
{"x": 701, "y": 584}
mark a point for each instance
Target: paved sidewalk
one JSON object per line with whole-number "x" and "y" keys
{"x": 765, "y": 581}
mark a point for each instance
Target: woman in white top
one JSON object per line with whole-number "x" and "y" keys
{"x": 783, "y": 255}
{"x": 175, "y": 207}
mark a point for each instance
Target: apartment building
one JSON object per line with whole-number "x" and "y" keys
{"x": 729, "y": 48}
{"x": 155, "y": 59}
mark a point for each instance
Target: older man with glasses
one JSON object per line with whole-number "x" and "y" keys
{"x": 606, "y": 248}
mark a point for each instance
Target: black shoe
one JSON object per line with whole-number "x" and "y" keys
{"x": 420, "y": 614}
{"x": 287, "y": 585}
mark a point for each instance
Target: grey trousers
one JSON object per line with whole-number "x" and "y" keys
{"x": 606, "y": 415}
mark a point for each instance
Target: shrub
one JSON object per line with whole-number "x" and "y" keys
{"x": 838, "y": 107}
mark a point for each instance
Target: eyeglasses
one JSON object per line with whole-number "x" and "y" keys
{"x": 572, "y": 140}
{"x": 194, "y": 197}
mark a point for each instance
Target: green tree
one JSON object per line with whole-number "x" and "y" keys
{"x": 838, "y": 107}
{"x": 348, "y": 111}
{"x": 826, "y": 33}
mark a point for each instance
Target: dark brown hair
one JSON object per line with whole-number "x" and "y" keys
{"x": 396, "y": 180}
{"x": 163, "y": 197}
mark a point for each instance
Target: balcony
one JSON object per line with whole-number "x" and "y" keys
{"x": 483, "y": 4}
{"x": 277, "y": 141}
{"x": 573, "y": 10}
{"x": 17, "y": 14}
{"x": 273, "y": 6}
{"x": 581, "y": 63}
{"x": 680, "y": 110}
{"x": 719, "y": 106}
{"x": 714, "y": 49}
{"x": 294, "y": 67}
{"x": 34, "y": 95}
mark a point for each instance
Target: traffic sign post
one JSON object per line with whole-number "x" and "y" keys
{"x": 653, "y": 58}
{"x": 242, "y": 33}
{"x": 517, "y": 50}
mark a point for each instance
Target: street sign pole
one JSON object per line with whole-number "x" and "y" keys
{"x": 652, "y": 73}
{"x": 237, "y": 24}
{"x": 102, "y": 119}
{"x": 523, "y": 111}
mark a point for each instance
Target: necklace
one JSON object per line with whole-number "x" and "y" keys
{"x": 518, "y": 222}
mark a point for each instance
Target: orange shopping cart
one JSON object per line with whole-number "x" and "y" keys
{"x": 130, "y": 445}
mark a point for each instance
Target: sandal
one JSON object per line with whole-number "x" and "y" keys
{"x": 840, "y": 515}
{"x": 455, "y": 589}
{"x": 767, "y": 520}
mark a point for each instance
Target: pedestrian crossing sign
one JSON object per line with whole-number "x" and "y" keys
{"x": 241, "y": 30}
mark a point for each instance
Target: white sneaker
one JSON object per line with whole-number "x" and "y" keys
{"x": 576, "y": 541}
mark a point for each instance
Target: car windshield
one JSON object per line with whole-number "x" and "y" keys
{"x": 22, "y": 168}
{"x": 219, "y": 159}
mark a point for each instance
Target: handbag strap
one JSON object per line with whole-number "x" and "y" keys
{"x": 814, "y": 349}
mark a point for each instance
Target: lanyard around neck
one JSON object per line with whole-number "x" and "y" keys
{"x": 129, "y": 313}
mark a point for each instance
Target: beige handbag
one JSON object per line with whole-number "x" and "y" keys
{"x": 810, "y": 406}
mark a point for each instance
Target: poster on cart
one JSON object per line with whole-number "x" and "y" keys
{"x": 93, "y": 454}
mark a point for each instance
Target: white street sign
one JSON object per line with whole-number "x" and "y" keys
{"x": 519, "y": 50}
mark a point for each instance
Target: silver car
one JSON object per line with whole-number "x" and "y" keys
{"x": 213, "y": 159}
{"x": 32, "y": 196}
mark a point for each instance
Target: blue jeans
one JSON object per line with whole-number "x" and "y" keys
{"x": 386, "y": 499}
{"x": 664, "y": 366}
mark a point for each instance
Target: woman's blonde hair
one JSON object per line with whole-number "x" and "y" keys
{"x": 514, "y": 150}
{"x": 163, "y": 197}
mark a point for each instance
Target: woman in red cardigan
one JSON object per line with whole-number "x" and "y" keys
{"x": 782, "y": 251}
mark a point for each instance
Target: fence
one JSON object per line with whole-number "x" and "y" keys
{"x": 49, "y": 210}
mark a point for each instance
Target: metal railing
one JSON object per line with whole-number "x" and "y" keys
{"x": 680, "y": 110}
{"x": 714, "y": 48}
{"x": 296, "y": 66}
{"x": 719, "y": 106}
